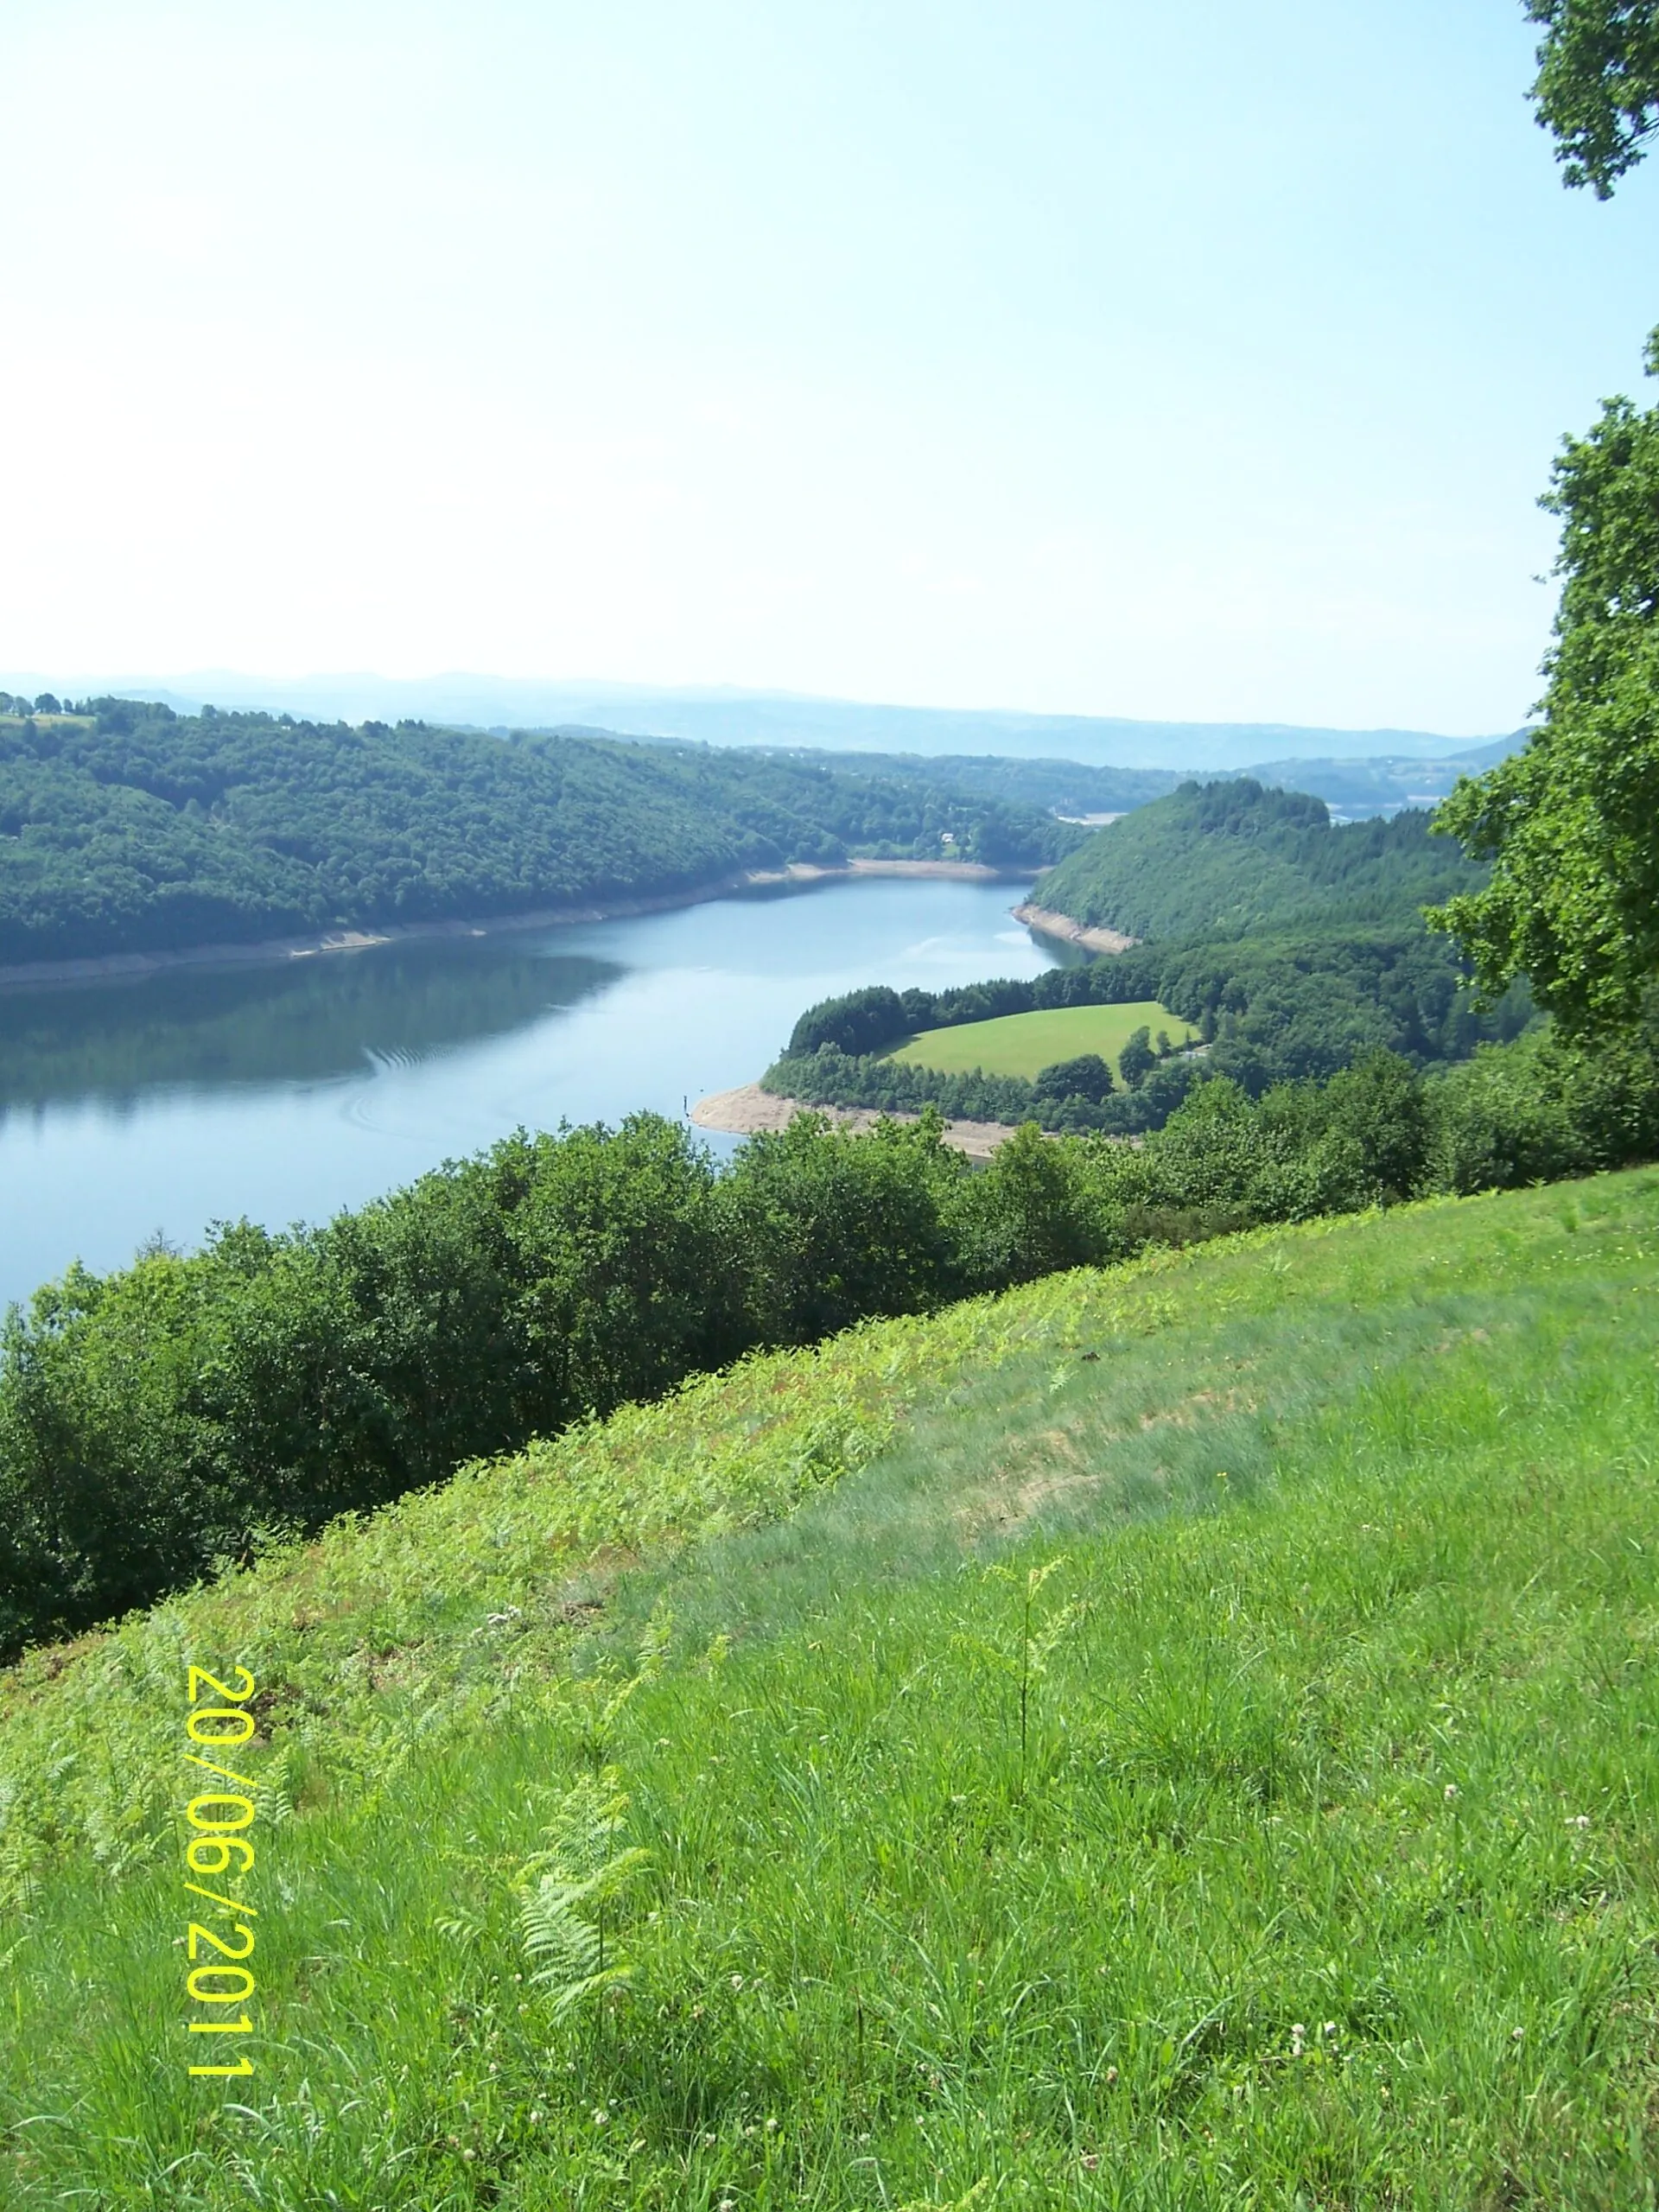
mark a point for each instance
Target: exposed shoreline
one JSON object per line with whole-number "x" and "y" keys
{"x": 749, "y": 1109}
{"x": 1048, "y": 924}
{"x": 96, "y": 967}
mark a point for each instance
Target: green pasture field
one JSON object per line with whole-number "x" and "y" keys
{"x": 1024, "y": 1043}
{"x": 1176, "y": 1736}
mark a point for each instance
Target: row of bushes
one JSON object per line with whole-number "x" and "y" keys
{"x": 157, "y": 1420}
{"x": 828, "y": 1077}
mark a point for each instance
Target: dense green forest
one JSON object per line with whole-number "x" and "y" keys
{"x": 126, "y": 828}
{"x": 1064, "y": 787}
{"x": 1234, "y": 859}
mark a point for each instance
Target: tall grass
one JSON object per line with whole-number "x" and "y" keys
{"x": 1324, "y": 1874}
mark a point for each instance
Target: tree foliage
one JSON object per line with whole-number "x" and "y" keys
{"x": 1597, "y": 90}
{"x": 1084, "y": 1076}
{"x": 1137, "y": 1060}
{"x": 1571, "y": 824}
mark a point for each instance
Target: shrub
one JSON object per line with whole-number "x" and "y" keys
{"x": 1137, "y": 1060}
{"x": 1087, "y": 1077}
{"x": 861, "y": 1021}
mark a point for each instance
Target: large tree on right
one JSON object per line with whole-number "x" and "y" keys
{"x": 1598, "y": 84}
{"x": 1571, "y": 822}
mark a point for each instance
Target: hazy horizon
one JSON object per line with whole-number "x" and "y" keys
{"x": 730, "y": 714}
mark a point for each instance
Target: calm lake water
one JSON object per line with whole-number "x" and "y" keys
{"x": 286, "y": 1092}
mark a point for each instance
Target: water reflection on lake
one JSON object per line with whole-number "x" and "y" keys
{"x": 286, "y": 1092}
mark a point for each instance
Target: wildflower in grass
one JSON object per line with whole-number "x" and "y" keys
{"x": 1034, "y": 1645}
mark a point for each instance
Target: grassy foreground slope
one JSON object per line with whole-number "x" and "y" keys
{"x": 1327, "y": 1870}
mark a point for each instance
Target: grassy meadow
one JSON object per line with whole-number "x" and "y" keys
{"x": 1025, "y": 1043}
{"x": 1178, "y": 1735}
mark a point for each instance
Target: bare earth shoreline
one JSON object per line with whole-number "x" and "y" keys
{"x": 745, "y": 1111}
{"x": 1044, "y": 918}
{"x": 748, "y": 1109}
{"x": 271, "y": 949}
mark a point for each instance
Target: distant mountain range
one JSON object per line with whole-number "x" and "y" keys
{"x": 1353, "y": 789}
{"x": 785, "y": 721}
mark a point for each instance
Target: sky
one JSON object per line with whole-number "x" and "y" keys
{"x": 1079, "y": 356}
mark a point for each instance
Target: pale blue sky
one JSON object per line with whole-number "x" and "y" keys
{"x": 1192, "y": 362}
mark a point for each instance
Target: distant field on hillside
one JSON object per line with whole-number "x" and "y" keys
{"x": 1024, "y": 1043}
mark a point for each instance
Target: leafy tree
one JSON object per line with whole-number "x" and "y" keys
{"x": 1086, "y": 1076}
{"x": 832, "y": 1227}
{"x": 1137, "y": 1060}
{"x": 1026, "y": 1214}
{"x": 859, "y": 1021}
{"x": 1597, "y": 85}
{"x": 1571, "y": 824}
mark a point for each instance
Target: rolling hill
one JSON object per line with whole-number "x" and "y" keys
{"x": 1237, "y": 860}
{"x": 1176, "y": 1734}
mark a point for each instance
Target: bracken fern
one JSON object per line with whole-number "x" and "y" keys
{"x": 566, "y": 1919}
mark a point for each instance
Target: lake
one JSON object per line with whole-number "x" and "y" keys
{"x": 285, "y": 1092}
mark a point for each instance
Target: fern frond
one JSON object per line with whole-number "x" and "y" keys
{"x": 575, "y": 1879}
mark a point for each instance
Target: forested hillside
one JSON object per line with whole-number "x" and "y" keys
{"x": 1071, "y": 789}
{"x": 1237, "y": 860}
{"x": 1065, "y": 787}
{"x": 1294, "y": 946}
{"x": 126, "y": 828}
